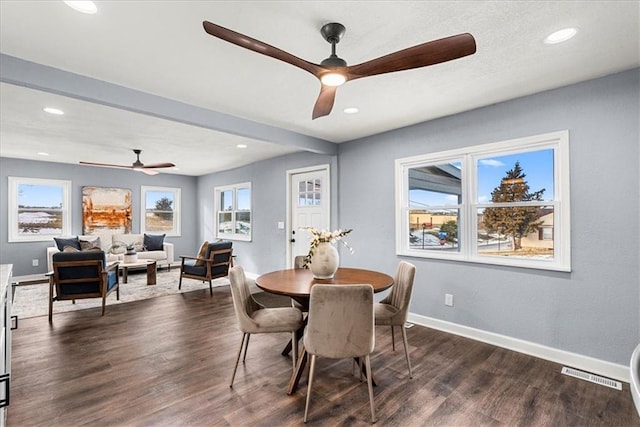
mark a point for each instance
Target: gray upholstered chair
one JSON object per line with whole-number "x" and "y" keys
{"x": 394, "y": 308}
{"x": 80, "y": 275}
{"x": 635, "y": 377}
{"x": 215, "y": 262}
{"x": 255, "y": 319}
{"x": 341, "y": 325}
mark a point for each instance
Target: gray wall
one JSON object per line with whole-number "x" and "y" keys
{"x": 267, "y": 250}
{"x": 20, "y": 254}
{"x": 595, "y": 309}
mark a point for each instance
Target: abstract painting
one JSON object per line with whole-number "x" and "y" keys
{"x": 106, "y": 209}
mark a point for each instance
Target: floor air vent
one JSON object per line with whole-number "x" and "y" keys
{"x": 592, "y": 378}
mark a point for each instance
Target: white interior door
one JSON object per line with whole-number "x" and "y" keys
{"x": 308, "y": 207}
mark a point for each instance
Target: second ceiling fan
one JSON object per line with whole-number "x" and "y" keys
{"x": 334, "y": 71}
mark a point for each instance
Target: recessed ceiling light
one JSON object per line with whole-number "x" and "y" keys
{"x": 82, "y": 6}
{"x": 560, "y": 36}
{"x": 55, "y": 111}
{"x": 351, "y": 110}
{"x": 42, "y": 153}
{"x": 241, "y": 145}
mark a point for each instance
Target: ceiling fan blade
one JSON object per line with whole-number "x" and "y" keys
{"x": 106, "y": 165}
{"x": 325, "y": 100}
{"x": 158, "y": 165}
{"x": 422, "y": 55}
{"x": 260, "y": 47}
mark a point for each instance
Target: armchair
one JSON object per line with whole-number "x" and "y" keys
{"x": 215, "y": 263}
{"x": 80, "y": 275}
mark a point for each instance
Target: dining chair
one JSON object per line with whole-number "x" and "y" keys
{"x": 298, "y": 264}
{"x": 254, "y": 318}
{"x": 394, "y": 308}
{"x": 634, "y": 367}
{"x": 341, "y": 325}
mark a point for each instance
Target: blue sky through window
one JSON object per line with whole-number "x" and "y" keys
{"x": 49, "y": 196}
{"x": 536, "y": 165}
{"x": 153, "y": 196}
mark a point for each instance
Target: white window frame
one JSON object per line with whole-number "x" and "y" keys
{"x": 13, "y": 184}
{"x": 557, "y": 141}
{"x": 234, "y": 210}
{"x": 177, "y": 207}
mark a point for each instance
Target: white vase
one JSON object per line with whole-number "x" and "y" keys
{"x": 325, "y": 261}
{"x": 130, "y": 258}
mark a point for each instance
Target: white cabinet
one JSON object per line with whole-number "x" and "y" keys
{"x": 5, "y": 338}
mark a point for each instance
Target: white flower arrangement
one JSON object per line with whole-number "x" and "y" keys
{"x": 324, "y": 236}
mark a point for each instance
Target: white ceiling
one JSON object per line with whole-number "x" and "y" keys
{"x": 160, "y": 48}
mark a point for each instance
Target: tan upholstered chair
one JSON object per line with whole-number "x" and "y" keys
{"x": 635, "y": 377}
{"x": 255, "y": 319}
{"x": 394, "y": 308}
{"x": 341, "y": 325}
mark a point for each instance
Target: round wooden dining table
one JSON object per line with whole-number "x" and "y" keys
{"x": 297, "y": 283}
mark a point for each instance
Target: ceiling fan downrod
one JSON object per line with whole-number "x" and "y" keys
{"x": 332, "y": 33}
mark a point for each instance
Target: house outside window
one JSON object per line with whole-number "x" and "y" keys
{"x": 233, "y": 212}
{"x": 39, "y": 209}
{"x": 504, "y": 203}
{"x": 161, "y": 210}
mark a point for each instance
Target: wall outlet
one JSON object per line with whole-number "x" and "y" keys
{"x": 448, "y": 300}
{"x": 34, "y": 262}
{"x": 280, "y": 225}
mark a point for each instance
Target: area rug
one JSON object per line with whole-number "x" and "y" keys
{"x": 33, "y": 300}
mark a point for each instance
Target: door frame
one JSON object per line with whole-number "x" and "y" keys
{"x": 326, "y": 168}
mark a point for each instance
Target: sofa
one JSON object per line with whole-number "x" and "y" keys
{"x": 114, "y": 246}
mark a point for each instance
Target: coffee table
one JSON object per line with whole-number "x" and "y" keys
{"x": 149, "y": 263}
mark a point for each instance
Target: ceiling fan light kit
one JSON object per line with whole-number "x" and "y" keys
{"x": 334, "y": 71}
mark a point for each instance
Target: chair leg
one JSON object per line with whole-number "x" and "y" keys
{"x": 210, "y": 288}
{"x": 50, "y": 302}
{"x": 104, "y": 302}
{"x": 180, "y": 281}
{"x": 406, "y": 349}
{"x": 294, "y": 348}
{"x": 367, "y": 362}
{"x": 312, "y": 370}
{"x": 233, "y": 376}
{"x": 393, "y": 339}
{"x": 246, "y": 346}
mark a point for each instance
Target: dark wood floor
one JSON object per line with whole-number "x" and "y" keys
{"x": 167, "y": 362}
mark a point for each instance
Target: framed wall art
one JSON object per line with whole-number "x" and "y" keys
{"x": 106, "y": 210}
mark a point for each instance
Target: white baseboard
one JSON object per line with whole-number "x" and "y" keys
{"x": 585, "y": 363}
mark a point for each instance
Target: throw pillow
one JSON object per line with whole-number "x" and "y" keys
{"x": 153, "y": 242}
{"x": 88, "y": 245}
{"x": 61, "y": 242}
{"x": 70, "y": 249}
{"x": 202, "y": 253}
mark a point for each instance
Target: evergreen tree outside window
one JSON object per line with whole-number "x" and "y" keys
{"x": 503, "y": 203}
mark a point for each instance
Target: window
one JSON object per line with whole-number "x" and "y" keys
{"x": 505, "y": 203}
{"x": 233, "y": 209}
{"x": 161, "y": 213}
{"x": 39, "y": 209}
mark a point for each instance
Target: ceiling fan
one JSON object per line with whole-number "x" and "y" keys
{"x": 137, "y": 165}
{"x": 333, "y": 71}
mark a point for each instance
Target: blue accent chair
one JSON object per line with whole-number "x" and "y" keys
{"x": 216, "y": 263}
{"x": 80, "y": 275}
